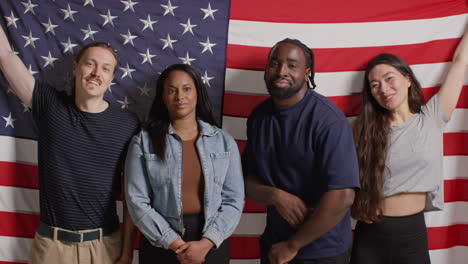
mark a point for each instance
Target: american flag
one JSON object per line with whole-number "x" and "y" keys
{"x": 228, "y": 43}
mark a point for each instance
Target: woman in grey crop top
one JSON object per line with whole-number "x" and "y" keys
{"x": 399, "y": 146}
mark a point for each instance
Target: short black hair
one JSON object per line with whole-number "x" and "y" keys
{"x": 308, "y": 53}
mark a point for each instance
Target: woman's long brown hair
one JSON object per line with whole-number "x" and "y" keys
{"x": 371, "y": 130}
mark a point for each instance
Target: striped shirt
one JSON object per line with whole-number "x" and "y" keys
{"x": 80, "y": 160}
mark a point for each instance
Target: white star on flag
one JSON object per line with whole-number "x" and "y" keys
{"x": 206, "y": 79}
{"x": 209, "y": 12}
{"x": 31, "y": 71}
{"x": 147, "y": 57}
{"x": 28, "y": 7}
{"x": 88, "y": 2}
{"x": 144, "y": 90}
{"x": 129, "y": 5}
{"x": 186, "y": 59}
{"x": 68, "y": 46}
{"x": 14, "y": 51}
{"x": 110, "y": 87}
{"x": 11, "y": 20}
{"x": 188, "y": 27}
{"x": 89, "y": 33}
{"x": 168, "y": 42}
{"x": 148, "y": 23}
{"x": 169, "y": 8}
{"x": 127, "y": 71}
{"x": 128, "y": 38}
{"x": 108, "y": 18}
{"x": 124, "y": 103}
{"x": 68, "y": 13}
{"x": 9, "y": 121}
{"x": 9, "y": 90}
{"x": 49, "y": 27}
{"x": 25, "y": 108}
{"x": 30, "y": 40}
{"x": 49, "y": 60}
{"x": 207, "y": 46}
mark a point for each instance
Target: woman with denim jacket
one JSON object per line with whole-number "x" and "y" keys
{"x": 183, "y": 176}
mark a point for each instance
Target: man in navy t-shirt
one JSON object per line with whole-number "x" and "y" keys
{"x": 300, "y": 161}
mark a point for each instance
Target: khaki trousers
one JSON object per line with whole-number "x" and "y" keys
{"x": 45, "y": 250}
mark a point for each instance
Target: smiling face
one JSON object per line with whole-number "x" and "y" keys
{"x": 389, "y": 87}
{"x": 180, "y": 95}
{"x": 286, "y": 72}
{"x": 94, "y": 72}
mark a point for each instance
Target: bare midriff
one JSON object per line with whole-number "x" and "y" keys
{"x": 403, "y": 204}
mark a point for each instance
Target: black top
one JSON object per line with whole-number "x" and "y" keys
{"x": 80, "y": 160}
{"x": 305, "y": 149}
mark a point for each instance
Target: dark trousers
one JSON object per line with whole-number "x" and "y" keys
{"x": 393, "y": 240}
{"x": 149, "y": 254}
{"x": 340, "y": 259}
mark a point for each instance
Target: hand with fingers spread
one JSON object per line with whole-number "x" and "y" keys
{"x": 292, "y": 208}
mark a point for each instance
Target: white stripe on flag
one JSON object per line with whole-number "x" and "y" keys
{"x": 342, "y": 35}
{"x": 18, "y": 150}
{"x": 455, "y": 255}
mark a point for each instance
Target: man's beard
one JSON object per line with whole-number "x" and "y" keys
{"x": 283, "y": 93}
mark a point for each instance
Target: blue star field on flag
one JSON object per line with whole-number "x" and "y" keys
{"x": 148, "y": 36}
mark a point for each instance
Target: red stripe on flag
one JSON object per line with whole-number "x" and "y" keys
{"x": 244, "y": 247}
{"x": 18, "y": 224}
{"x": 353, "y": 59}
{"x": 447, "y": 236}
{"x": 18, "y": 175}
{"x": 439, "y": 238}
{"x": 455, "y": 144}
{"x": 253, "y": 207}
{"x": 338, "y": 11}
{"x": 455, "y": 190}
{"x": 240, "y": 145}
{"x": 241, "y": 105}
{"x": 25, "y": 225}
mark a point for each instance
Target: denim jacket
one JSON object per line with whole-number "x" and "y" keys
{"x": 153, "y": 187}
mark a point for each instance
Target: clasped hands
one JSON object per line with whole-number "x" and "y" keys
{"x": 192, "y": 252}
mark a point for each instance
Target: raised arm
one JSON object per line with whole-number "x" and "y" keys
{"x": 18, "y": 76}
{"x": 453, "y": 83}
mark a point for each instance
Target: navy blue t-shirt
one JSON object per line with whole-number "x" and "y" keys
{"x": 305, "y": 149}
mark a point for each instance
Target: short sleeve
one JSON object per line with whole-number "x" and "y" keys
{"x": 337, "y": 159}
{"x": 44, "y": 96}
{"x": 433, "y": 110}
{"x": 248, "y": 159}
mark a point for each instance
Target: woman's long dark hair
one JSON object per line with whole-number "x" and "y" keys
{"x": 371, "y": 129}
{"x": 159, "y": 120}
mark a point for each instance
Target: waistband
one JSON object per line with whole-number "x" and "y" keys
{"x": 65, "y": 235}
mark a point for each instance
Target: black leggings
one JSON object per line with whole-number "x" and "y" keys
{"x": 149, "y": 254}
{"x": 393, "y": 240}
